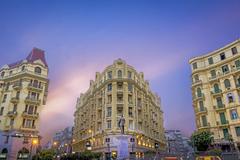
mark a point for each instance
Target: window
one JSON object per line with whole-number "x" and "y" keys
{"x": 23, "y": 68}
{"x": 210, "y": 60}
{"x": 130, "y": 99}
{"x": 227, "y": 83}
{"x": 109, "y": 99}
{"x": 237, "y": 63}
{"x": 234, "y": 114}
{"x": 1, "y": 111}
{"x": 110, "y": 75}
{"x": 196, "y": 78}
{"x": 2, "y": 74}
{"x": 199, "y": 92}
{"x": 15, "y": 108}
{"x": 204, "y": 120}
{"x": 130, "y": 111}
{"x": 225, "y": 69}
{"x": 222, "y": 118}
{"x": 213, "y": 73}
{"x": 230, "y": 97}
{"x": 225, "y": 133}
{"x": 107, "y": 140}
{"x": 194, "y": 65}
{"x": 129, "y": 75}
{"x": 18, "y": 94}
{"x": 201, "y": 106}
{"x": 11, "y": 122}
{"x": 30, "y": 109}
{"x": 234, "y": 50}
{"x": 109, "y": 87}
{"x": 219, "y": 102}
{"x": 109, "y": 111}
{"x": 130, "y": 124}
{"x": 4, "y": 98}
{"x": 38, "y": 70}
{"x": 237, "y": 129}
{"x": 119, "y": 74}
{"x": 28, "y": 123}
{"x": 130, "y": 87}
{"x": 222, "y": 56}
{"x": 216, "y": 88}
{"x": 109, "y": 124}
{"x": 10, "y": 73}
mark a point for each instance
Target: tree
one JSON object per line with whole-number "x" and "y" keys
{"x": 201, "y": 140}
{"x": 46, "y": 154}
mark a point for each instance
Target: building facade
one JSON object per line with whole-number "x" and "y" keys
{"x": 23, "y": 91}
{"x": 177, "y": 144}
{"x": 118, "y": 91}
{"x": 216, "y": 92}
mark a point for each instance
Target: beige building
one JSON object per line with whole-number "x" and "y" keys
{"x": 23, "y": 91}
{"x": 118, "y": 90}
{"x": 216, "y": 92}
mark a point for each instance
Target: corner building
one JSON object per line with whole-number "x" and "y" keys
{"x": 118, "y": 90}
{"x": 23, "y": 92}
{"x": 216, "y": 93}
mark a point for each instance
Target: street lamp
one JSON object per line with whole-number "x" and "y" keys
{"x": 34, "y": 142}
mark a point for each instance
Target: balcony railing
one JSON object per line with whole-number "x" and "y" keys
{"x": 17, "y": 85}
{"x": 25, "y": 127}
{"x": 223, "y": 123}
{"x": 219, "y": 107}
{"x": 202, "y": 110}
{"x": 35, "y": 87}
{"x": 215, "y": 92}
{"x": 12, "y": 113}
{"x": 30, "y": 115}
{"x": 15, "y": 99}
{"x": 196, "y": 82}
{"x": 32, "y": 100}
{"x": 199, "y": 96}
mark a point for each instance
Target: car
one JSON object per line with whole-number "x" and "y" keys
{"x": 208, "y": 158}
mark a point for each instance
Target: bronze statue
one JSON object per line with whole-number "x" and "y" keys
{"x": 121, "y": 124}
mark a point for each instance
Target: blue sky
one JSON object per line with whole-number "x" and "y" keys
{"x": 82, "y": 37}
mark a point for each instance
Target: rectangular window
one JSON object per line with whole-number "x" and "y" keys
{"x": 204, "y": 120}
{"x": 219, "y": 102}
{"x": 201, "y": 106}
{"x": 130, "y": 111}
{"x": 223, "y": 118}
{"x": 222, "y": 56}
{"x": 109, "y": 111}
{"x": 234, "y": 50}
{"x": 130, "y": 100}
{"x": 213, "y": 73}
{"x": 237, "y": 129}
{"x": 109, "y": 87}
{"x": 130, "y": 87}
{"x": 11, "y": 122}
{"x": 194, "y": 65}
{"x": 225, "y": 133}
{"x": 237, "y": 63}
{"x": 1, "y": 111}
{"x": 234, "y": 114}
{"x": 210, "y": 60}
{"x": 130, "y": 124}
{"x": 110, "y": 75}
{"x": 4, "y": 98}
{"x": 109, "y": 99}
{"x": 196, "y": 77}
{"x": 129, "y": 75}
{"x": 109, "y": 124}
{"x": 225, "y": 69}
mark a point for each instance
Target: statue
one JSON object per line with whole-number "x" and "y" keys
{"x": 121, "y": 124}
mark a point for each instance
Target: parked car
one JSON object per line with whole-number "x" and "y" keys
{"x": 208, "y": 158}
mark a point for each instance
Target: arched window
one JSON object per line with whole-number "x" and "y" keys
{"x": 119, "y": 74}
{"x": 2, "y": 74}
{"x": 38, "y": 70}
{"x": 199, "y": 92}
{"x": 227, "y": 83}
{"x": 35, "y": 83}
{"x": 4, "y": 150}
{"x": 216, "y": 88}
{"x": 23, "y": 68}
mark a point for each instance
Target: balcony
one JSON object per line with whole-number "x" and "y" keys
{"x": 213, "y": 78}
{"x": 139, "y": 106}
{"x": 35, "y": 87}
{"x": 15, "y": 99}
{"x": 8, "y": 127}
{"x": 28, "y": 128}
{"x": 17, "y": 85}
{"x": 201, "y": 111}
{"x": 12, "y": 113}
{"x": 30, "y": 115}
{"x": 238, "y": 86}
{"x": 216, "y": 92}
{"x": 119, "y": 101}
{"x": 196, "y": 82}
{"x": 204, "y": 126}
{"x": 223, "y": 123}
{"x": 120, "y": 89}
{"x": 198, "y": 97}
{"x": 32, "y": 100}
{"x": 220, "y": 107}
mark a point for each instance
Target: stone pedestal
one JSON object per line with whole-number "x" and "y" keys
{"x": 122, "y": 148}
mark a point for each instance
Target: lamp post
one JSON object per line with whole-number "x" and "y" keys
{"x": 34, "y": 142}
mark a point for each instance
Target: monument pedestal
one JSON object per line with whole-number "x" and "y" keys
{"x": 122, "y": 147}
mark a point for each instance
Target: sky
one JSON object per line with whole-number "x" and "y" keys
{"x": 83, "y": 37}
